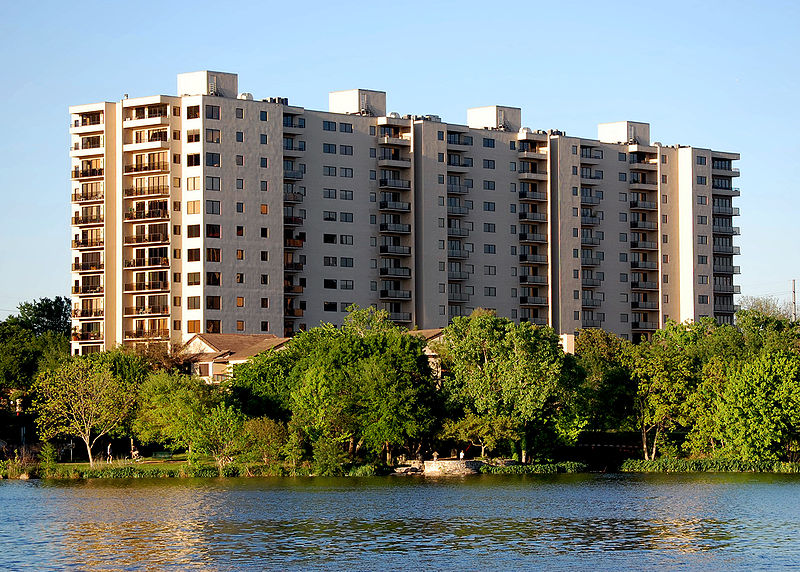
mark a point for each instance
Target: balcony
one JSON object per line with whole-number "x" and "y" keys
{"x": 457, "y": 253}
{"x": 293, "y": 266}
{"x": 533, "y": 258}
{"x": 726, "y": 308}
{"x": 532, "y": 176}
{"x": 458, "y": 166}
{"x": 590, "y": 241}
{"x": 591, "y": 178}
{"x": 643, "y": 186}
{"x": 396, "y": 271}
{"x": 396, "y": 141}
{"x": 457, "y": 297}
{"x": 396, "y": 206}
{"x": 532, "y": 195}
{"x": 590, "y": 157}
{"x": 457, "y": 231}
{"x": 153, "y": 261}
{"x": 87, "y": 243}
{"x": 87, "y": 312}
{"x": 727, "y": 289}
{"x": 644, "y": 245}
{"x": 644, "y": 264}
{"x": 726, "y": 269}
{"x": 644, "y": 325}
{"x": 87, "y": 219}
{"x": 590, "y": 282}
{"x": 293, "y": 312}
{"x": 86, "y": 173}
{"x": 591, "y": 323}
{"x": 146, "y": 310}
{"x": 292, "y": 220}
{"x": 457, "y": 189}
{"x": 293, "y": 126}
{"x": 532, "y": 279}
{"x": 643, "y": 166}
{"x": 86, "y": 149}
{"x": 86, "y": 196}
{"x": 586, "y": 200}
{"x": 395, "y": 249}
{"x": 146, "y": 167}
{"x": 639, "y": 305}
{"x": 589, "y": 261}
{"x": 643, "y": 224}
{"x": 88, "y": 289}
{"x": 146, "y": 334}
{"x": 725, "y": 211}
{"x": 533, "y": 216}
{"x": 295, "y": 150}
{"x": 394, "y": 183}
{"x": 590, "y": 220}
{"x": 392, "y": 161}
{"x": 87, "y": 266}
{"x": 149, "y": 214}
{"x": 289, "y": 288}
{"x": 719, "y": 229}
{"x": 145, "y": 191}
{"x": 533, "y": 154}
{"x": 457, "y": 210}
{"x": 395, "y": 228}
{"x": 726, "y": 249}
{"x": 396, "y": 294}
{"x": 147, "y": 286}
{"x": 87, "y": 336}
{"x": 533, "y": 300}
{"x": 457, "y": 275}
{"x": 146, "y": 238}
{"x": 292, "y": 174}
{"x": 644, "y": 205}
{"x": 644, "y": 285}
{"x": 456, "y": 140}
{"x": 400, "y": 316}
{"x": 293, "y": 197}
{"x": 724, "y": 170}
{"x": 590, "y": 303}
{"x": 93, "y": 122}
{"x": 292, "y": 243}
{"x": 532, "y": 237}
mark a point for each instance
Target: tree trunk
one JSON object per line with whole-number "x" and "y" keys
{"x": 524, "y": 446}
{"x": 655, "y": 440}
{"x": 388, "y": 454}
{"x": 483, "y": 451}
{"x": 351, "y": 449}
{"x": 89, "y": 450}
{"x": 644, "y": 442}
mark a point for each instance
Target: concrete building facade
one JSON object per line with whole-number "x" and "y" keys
{"x": 214, "y": 212}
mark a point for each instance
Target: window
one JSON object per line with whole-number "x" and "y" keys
{"x": 193, "y": 160}
{"x": 239, "y": 113}
{"x": 240, "y": 160}
{"x": 346, "y": 262}
{"x": 265, "y": 302}
{"x": 330, "y": 261}
{"x": 440, "y": 135}
{"x": 264, "y": 326}
{"x": 702, "y": 279}
{"x": 702, "y": 299}
{"x": 489, "y": 249}
{"x": 329, "y": 306}
{"x": 346, "y": 239}
{"x": 346, "y": 285}
{"x": 213, "y": 303}
{"x": 488, "y": 163}
{"x": 488, "y": 142}
{"x": 212, "y": 183}
{"x": 489, "y": 291}
{"x": 330, "y": 283}
{"x": 239, "y": 207}
{"x": 346, "y": 128}
{"x": 702, "y": 259}
{"x": 702, "y": 199}
{"x": 488, "y": 185}
{"x": 701, "y": 180}
{"x": 264, "y": 256}
{"x": 213, "y": 326}
{"x": 213, "y": 231}
{"x": 264, "y": 185}
{"x": 702, "y": 219}
{"x": 192, "y": 183}
{"x": 702, "y": 239}
{"x": 239, "y": 278}
{"x": 329, "y": 171}
{"x": 193, "y": 231}
{"x": 623, "y": 176}
{"x": 193, "y": 279}
{"x": 345, "y": 149}
{"x": 212, "y": 207}
{"x": 240, "y": 137}
{"x": 264, "y": 232}
{"x": 192, "y": 207}
{"x": 264, "y": 162}
{"x": 488, "y": 206}
{"x": 263, "y": 115}
{"x": 665, "y": 238}
{"x": 212, "y": 135}
{"x": 488, "y": 227}
{"x": 213, "y": 278}
{"x": 239, "y": 184}
{"x": 701, "y": 160}
{"x": 346, "y": 195}
{"x": 621, "y": 156}
{"x": 212, "y": 111}
{"x": 193, "y": 326}
{"x": 329, "y": 126}
{"x": 329, "y": 215}
{"x": 328, "y": 193}
{"x": 346, "y": 172}
{"x": 193, "y": 302}
{"x": 240, "y": 231}
{"x": 346, "y": 217}
{"x": 212, "y": 160}
{"x": 193, "y": 255}
{"x": 193, "y": 112}
{"x": 329, "y": 148}
{"x": 264, "y": 279}
{"x": 239, "y": 254}
{"x": 264, "y": 209}
{"x": 490, "y": 270}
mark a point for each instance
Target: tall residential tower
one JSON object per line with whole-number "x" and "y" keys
{"x": 211, "y": 211}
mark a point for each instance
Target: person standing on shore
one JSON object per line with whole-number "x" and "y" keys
{"x": 108, "y": 453}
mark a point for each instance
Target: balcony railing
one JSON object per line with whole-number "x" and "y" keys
{"x": 87, "y": 312}
{"x": 141, "y": 262}
{"x": 292, "y": 220}
{"x": 457, "y": 231}
{"x": 87, "y": 266}
{"x": 535, "y": 258}
{"x": 644, "y": 325}
{"x": 92, "y": 289}
{"x": 590, "y": 220}
{"x": 457, "y": 297}
{"x": 457, "y": 253}
{"x": 395, "y": 183}
{"x": 293, "y": 197}
{"x": 532, "y": 237}
{"x": 293, "y": 266}
{"x": 146, "y": 334}
{"x": 586, "y": 200}
{"x": 591, "y": 323}
{"x": 540, "y": 217}
{"x": 726, "y": 308}
{"x": 87, "y": 121}
{"x": 727, "y": 288}
{"x": 726, "y": 269}
{"x": 457, "y": 210}
{"x": 398, "y": 271}
{"x": 725, "y": 211}
{"x": 295, "y": 174}
{"x": 589, "y": 261}
{"x": 398, "y": 228}
{"x": 644, "y": 245}
{"x": 87, "y": 336}
{"x": 457, "y": 189}
{"x": 639, "y": 305}
{"x": 457, "y": 275}
{"x": 719, "y": 229}
{"x": 144, "y": 191}
{"x": 394, "y": 206}
{"x": 152, "y": 213}
{"x": 143, "y": 167}
{"x": 644, "y": 285}
{"x": 143, "y": 286}
{"x": 395, "y": 249}
{"x": 146, "y": 310}
{"x": 87, "y": 196}
{"x": 400, "y": 316}
{"x": 532, "y": 279}
{"x": 590, "y": 282}
{"x": 644, "y": 264}
{"x": 590, "y": 303}
{"x": 293, "y": 242}
{"x": 87, "y": 219}
{"x": 590, "y": 241}
{"x": 643, "y": 224}
{"x": 396, "y": 294}
{"x": 87, "y": 243}
{"x": 143, "y": 238}
{"x": 86, "y": 173}
{"x": 533, "y": 300}
{"x": 292, "y": 289}
{"x": 532, "y": 195}
{"x": 644, "y": 205}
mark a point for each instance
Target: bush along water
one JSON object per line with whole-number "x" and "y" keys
{"x": 535, "y": 469}
{"x": 671, "y": 465}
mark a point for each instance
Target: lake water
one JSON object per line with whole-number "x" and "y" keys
{"x": 484, "y": 522}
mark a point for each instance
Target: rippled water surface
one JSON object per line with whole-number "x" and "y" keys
{"x": 485, "y": 522}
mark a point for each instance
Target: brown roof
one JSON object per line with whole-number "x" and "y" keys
{"x": 426, "y": 334}
{"x": 238, "y": 346}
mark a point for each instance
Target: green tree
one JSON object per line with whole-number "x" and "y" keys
{"x": 266, "y": 439}
{"x": 82, "y": 399}
{"x": 484, "y": 431}
{"x": 19, "y": 356}
{"x": 46, "y": 315}
{"x": 220, "y": 434}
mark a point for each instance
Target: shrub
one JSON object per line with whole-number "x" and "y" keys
{"x": 535, "y": 469}
{"x": 673, "y": 465}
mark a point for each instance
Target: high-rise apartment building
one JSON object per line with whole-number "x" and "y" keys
{"x": 211, "y": 211}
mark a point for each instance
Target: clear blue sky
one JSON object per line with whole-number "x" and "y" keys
{"x": 723, "y": 75}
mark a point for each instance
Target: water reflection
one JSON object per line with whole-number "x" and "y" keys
{"x": 498, "y": 522}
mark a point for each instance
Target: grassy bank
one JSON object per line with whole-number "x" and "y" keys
{"x": 535, "y": 469}
{"x": 668, "y": 465}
